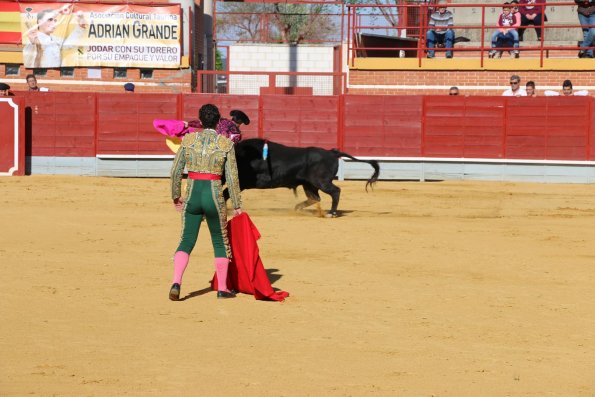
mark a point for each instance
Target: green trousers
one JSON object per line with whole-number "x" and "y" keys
{"x": 204, "y": 199}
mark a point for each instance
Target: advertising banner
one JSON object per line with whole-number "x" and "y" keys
{"x": 93, "y": 35}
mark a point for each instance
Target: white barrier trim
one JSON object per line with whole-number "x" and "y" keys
{"x": 15, "y": 167}
{"x": 475, "y": 160}
{"x": 134, "y": 156}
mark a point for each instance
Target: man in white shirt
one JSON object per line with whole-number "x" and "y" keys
{"x": 515, "y": 87}
{"x": 567, "y": 90}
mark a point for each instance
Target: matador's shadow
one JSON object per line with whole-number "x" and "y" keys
{"x": 272, "y": 274}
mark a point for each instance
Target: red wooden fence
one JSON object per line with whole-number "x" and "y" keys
{"x": 553, "y": 128}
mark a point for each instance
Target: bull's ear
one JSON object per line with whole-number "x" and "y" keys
{"x": 239, "y": 117}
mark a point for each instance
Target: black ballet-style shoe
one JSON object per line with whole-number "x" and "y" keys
{"x": 174, "y": 292}
{"x": 225, "y": 295}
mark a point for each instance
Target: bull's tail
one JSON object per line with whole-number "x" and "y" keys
{"x": 374, "y": 178}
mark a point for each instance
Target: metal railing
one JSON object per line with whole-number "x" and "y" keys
{"x": 256, "y": 83}
{"x": 409, "y": 40}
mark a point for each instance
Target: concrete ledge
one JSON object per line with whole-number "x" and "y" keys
{"x": 532, "y": 64}
{"x": 393, "y": 168}
{"x": 474, "y": 169}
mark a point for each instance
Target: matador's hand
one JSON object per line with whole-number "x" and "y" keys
{"x": 179, "y": 204}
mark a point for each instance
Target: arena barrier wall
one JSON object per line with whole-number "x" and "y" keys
{"x": 12, "y": 136}
{"x": 415, "y": 137}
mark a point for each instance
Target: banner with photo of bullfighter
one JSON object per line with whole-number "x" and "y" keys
{"x": 94, "y": 35}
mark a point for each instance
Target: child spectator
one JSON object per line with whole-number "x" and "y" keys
{"x": 507, "y": 22}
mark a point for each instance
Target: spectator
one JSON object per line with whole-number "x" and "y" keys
{"x": 586, "y": 16}
{"x": 453, "y": 91}
{"x": 530, "y": 88}
{"x": 531, "y": 14}
{"x": 32, "y": 84}
{"x": 567, "y": 90}
{"x": 507, "y": 23}
{"x": 129, "y": 87}
{"x": 4, "y": 89}
{"x": 441, "y": 21}
{"x": 515, "y": 87}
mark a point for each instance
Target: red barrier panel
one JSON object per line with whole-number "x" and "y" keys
{"x": 552, "y": 128}
{"x": 125, "y": 122}
{"x": 62, "y": 124}
{"x": 12, "y": 136}
{"x": 383, "y": 125}
{"x": 300, "y": 120}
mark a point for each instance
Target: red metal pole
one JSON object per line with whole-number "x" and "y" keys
{"x": 483, "y": 33}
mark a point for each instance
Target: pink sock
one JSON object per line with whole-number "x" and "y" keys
{"x": 221, "y": 266}
{"x": 180, "y": 263}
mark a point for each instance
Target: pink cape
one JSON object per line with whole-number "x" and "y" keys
{"x": 246, "y": 273}
{"x": 173, "y": 128}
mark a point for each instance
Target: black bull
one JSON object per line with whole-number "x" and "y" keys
{"x": 312, "y": 167}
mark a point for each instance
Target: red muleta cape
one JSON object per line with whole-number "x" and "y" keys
{"x": 246, "y": 273}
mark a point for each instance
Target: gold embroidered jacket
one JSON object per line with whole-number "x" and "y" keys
{"x": 210, "y": 153}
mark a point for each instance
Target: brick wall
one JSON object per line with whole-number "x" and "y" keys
{"x": 163, "y": 80}
{"x": 480, "y": 82}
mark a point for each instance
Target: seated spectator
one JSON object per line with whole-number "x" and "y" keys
{"x": 453, "y": 91}
{"x": 515, "y": 87}
{"x": 567, "y": 90}
{"x": 531, "y": 14}
{"x": 32, "y": 84}
{"x": 586, "y": 16}
{"x": 507, "y": 22}
{"x": 441, "y": 21}
{"x": 530, "y": 88}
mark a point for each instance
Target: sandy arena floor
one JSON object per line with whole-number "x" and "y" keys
{"x": 421, "y": 289}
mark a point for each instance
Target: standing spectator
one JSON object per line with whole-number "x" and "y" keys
{"x": 515, "y": 87}
{"x": 32, "y": 84}
{"x": 441, "y": 21}
{"x": 507, "y": 23}
{"x": 530, "y": 88}
{"x": 129, "y": 88}
{"x": 586, "y": 16}
{"x": 453, "y": 91}
{"x": 531, "y": 14}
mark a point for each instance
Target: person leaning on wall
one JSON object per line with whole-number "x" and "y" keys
{"x": 530, "y": 88}
{"x": 515, "y": 87}
{"x": 567, "y": 90}
{"x": 32, "y": 84}
{"x": 5, "y": 90}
